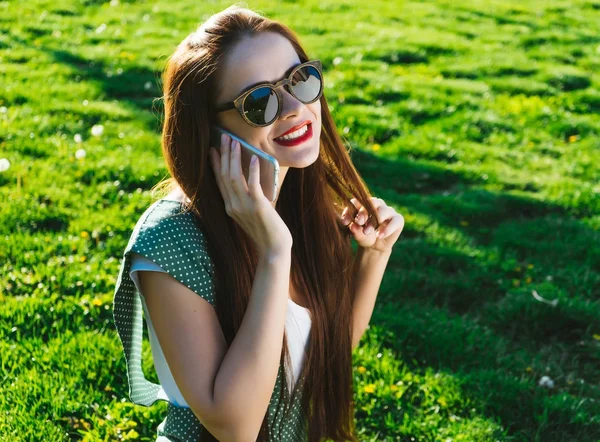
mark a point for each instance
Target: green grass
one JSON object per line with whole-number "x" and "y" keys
{"x": 479, "y": 123}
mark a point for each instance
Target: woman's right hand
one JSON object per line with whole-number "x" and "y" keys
{"x": 245, "y": 202}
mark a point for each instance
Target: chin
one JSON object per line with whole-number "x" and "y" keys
{"x": 300, "y": 158}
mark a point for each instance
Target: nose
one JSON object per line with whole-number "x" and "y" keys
{"x": 291, "y": 106}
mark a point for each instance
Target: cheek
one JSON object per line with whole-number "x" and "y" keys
{"x": 252, "y": 134}
{"x": 260, "y": 136}
{"x": 315, "y": 109}
{"x": 265, "y": 134}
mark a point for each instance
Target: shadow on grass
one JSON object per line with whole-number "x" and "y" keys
{"x": 510, "y": 246}
{"x": 492, "y": 342}
{"x": 129, "y": 86}
{"x": 491, "y": 370}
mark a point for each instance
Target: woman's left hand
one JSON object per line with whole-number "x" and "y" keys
{"x": 383, "y": 239}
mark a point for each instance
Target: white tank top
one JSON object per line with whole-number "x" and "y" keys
{"x": 297, "y": 326}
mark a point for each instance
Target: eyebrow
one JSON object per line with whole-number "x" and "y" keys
{"x": 270, "y": 82}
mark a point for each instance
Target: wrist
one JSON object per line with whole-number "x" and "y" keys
{"x": 275, "y": 255}
{"x": 375, "y": 253}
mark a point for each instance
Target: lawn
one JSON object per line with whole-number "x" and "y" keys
{"x": 478, "y": 122}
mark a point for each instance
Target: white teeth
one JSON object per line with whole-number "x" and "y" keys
{"x": 294, "y": 135}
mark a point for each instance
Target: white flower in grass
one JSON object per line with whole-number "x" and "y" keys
{"x": 545, "y": 381}
{"x": 4, "y": 164}
{"x": 148, "y": 85}
{"x": 97, "y": 130}
{"x": 545, "y": 301}
{"x": 78, "y": 138}
{"x": 3, "y": 109}
{"x": 80, "y": 154}
{"x": 101, "y": 28}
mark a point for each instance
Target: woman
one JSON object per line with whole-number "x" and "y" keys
{"x": 242, "y": 295}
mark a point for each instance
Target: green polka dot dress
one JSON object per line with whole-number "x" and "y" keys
{"x": 172, "y": 239}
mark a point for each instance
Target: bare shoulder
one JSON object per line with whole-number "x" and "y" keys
{"x": 190, "y": 335}
{"x": 178, "y": 195}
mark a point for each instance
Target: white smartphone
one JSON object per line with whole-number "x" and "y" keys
{"x": 269, "y": 166}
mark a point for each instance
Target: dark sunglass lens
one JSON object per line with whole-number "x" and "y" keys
{"x": 261, "y": 105}
{"x": 307, "y": 84}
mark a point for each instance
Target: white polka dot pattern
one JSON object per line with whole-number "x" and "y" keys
{"x": 172, "y": 239}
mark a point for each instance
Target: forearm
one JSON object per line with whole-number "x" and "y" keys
{"x": 368, "y": 268}
{"x": 247, "y": 375}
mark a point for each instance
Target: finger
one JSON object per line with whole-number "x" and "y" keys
{"x": 232, "y": 192}
{"x": 362, "y": 216}
{"x": 357, "y": 231}
{"x": 375, "y": 222}
{"x": 254, "y": 178}
{"x": 224, "y": 163}
{"x": 356, "y": 203}
{"x": 391, "y": 226}
{"x": 224, "y": 153}
{"x": 225, "y": 140}
{"x": 237, "y": 179}
{"x": 384, "y": 213}
{"x": 350, "y": 211}
{"x": 216, "y": 165}
{"x": 346, "y": 218}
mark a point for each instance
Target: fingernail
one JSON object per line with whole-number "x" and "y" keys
{"x": 368, "y": 230}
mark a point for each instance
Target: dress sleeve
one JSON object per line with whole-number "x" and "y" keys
{"x": 138, "y": 263}
{"x": 178, "y": 246}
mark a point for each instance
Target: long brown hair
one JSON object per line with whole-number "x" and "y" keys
{"x": 309, "y": 202}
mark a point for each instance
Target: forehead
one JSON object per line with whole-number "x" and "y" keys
{"x": 264, "y": 57}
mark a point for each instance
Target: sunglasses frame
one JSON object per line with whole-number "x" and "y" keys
{"x": 238, "y": 103}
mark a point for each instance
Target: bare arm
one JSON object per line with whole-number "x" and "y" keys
{"x": 228, "y": 389}
{"x": 369, "y": 267}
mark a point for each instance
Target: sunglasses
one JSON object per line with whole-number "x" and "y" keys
{"x": 261, "y": 104}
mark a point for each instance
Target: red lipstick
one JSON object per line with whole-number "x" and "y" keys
{"x": 296, "y": 141}
{"x": 295, "y": 128}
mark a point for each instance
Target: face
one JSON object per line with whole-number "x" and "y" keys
{"x": 268, "y": 57}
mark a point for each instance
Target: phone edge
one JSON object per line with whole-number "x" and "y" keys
{"x": 261, "y": 154}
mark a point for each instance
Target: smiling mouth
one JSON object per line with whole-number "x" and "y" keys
{"x": 302, "y": 135}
